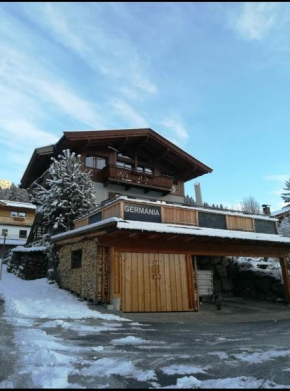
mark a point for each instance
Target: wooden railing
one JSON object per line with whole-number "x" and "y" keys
{"x": 131, "y": 177}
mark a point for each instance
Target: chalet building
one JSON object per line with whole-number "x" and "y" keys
{"x": 137, "y": 162}
{"x": 138, "y": 249}
{"x": 16, "y": 219}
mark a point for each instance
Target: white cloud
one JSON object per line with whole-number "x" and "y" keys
{"x": 278, "y": 177}
{"x": 26, "y": 75}
{"x": 255, "y": 20}
{"x": 109, "y": 51}
{"x": 126, "y": 111}
{"x": 175, "y": 125}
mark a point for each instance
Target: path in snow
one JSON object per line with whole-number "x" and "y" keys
{"x": 61, "y": 343}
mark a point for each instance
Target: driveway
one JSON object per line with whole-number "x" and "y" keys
{"x": 245, "y": 345}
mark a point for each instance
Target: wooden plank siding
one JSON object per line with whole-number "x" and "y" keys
{"x": 154, "y": 282}
{"x": 82, "y": 222}
{"x": 173, "y": 215}
{"x": 240, "y": 223}
{"x": 179, "y": 216}
{"x": 6, "y": 218}
{"x": 112, "y": 211}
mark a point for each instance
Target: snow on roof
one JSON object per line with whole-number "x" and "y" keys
{"x": 13, "y": 242}
{"x": 89, "y": 227}
{"x": 283, "y": 210}
{"x": 200, "y": 231}
{"x": 177, "y": 229}
{"x": 175, "y": 205}
{"x": 16, "y": 204}
{"x": 28, "y": 249}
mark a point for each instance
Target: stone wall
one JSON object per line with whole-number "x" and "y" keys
{"x": 232, "y": 280}
{"x": 82, "y": 281}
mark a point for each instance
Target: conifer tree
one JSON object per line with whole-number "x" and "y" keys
{"x": 69, "y": 193}
{"x": 286, "y": 196}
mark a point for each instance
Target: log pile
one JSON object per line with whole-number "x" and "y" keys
{"x": 28, "y": 265}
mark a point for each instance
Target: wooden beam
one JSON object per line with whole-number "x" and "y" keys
{"x": 134, "y": 235}
{"x": 196, "y": 248}
{"x": 161, "y": 156}
{"x": 123, "y": 143}
{"x": 77, "y": 239}
{"x": 190, "y": 282}
{"x": 283, "y": 263}
{"x": 172, "y": 237}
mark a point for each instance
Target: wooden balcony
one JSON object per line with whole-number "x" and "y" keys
{"x": 133, "y": 178}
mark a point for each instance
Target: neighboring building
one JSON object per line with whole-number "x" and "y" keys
{"x": 282, "y": 213}
{"x": 138, "y": 249}
{"x": 5, "y": 184}
{"x": 16, "y": 219}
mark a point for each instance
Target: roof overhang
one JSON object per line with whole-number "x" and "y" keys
{"x": 157, "y": 147}
{"x": 143, "y": 236}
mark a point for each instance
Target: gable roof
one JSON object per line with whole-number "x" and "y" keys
{"x": 146, "y": 140}
{"x": 281, "y": 212}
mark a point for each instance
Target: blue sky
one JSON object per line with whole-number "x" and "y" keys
{"x": 214, "y": 78}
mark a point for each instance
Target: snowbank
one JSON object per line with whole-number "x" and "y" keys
{"x": 38, "y": 299}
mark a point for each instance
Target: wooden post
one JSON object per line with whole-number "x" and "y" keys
{"x": 3, "y": 254}
{"x": 283, "y": 263}
{"x": 190, "y": 282}
{"x": 196, "y": 284}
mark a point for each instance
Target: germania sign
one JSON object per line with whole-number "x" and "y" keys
{"x": 142, "y": 213}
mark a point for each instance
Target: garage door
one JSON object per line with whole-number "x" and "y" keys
{"x": 154, "y": 282}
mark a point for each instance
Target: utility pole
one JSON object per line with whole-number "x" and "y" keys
{"x": 3, "y": 253}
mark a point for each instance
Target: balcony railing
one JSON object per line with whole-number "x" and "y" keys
{"x": 134, "y": 178}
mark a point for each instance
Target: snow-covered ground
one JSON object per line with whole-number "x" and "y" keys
{"x": 61, "y": 343}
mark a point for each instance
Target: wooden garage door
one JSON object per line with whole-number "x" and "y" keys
{"x": 154, "y": 282}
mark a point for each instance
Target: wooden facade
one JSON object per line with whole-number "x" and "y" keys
{"x": 7, "y": 216}
{"x": 133, "y": 256}
{"x": 177, "y": 215}
{"x": 151, "y": 271}
{"x": 129, "y": 159}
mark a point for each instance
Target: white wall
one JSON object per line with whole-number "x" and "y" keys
{"x": 13, "y": 231}
{"x": 102, "y": 193}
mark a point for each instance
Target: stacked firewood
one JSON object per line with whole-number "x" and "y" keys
{"x": 28, "y": 265}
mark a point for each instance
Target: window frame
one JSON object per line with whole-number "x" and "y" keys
{"x": 22, "y": 237}
{"x": 76, "y": 258}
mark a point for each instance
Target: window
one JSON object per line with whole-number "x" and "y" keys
{"x": 100, "y": 163}
{"x": 264, "y": 226}
{"x": 18, "y": 214}
{"x": 96, "y": 162}
{"x": 22, "y": 234}
{"x": 212, "y": 220}
{"x": 124, "y": 165}
{"x": 90, "y": 161}
{"x": 145, "y": 170}
{"x": 76, "y": 259}
{"x": 4, "y": 232}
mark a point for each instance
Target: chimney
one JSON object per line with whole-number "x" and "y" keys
{"x": 198, "y": 198}
{"x": 266, "y": 209}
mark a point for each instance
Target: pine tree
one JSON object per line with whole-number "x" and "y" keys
{"x": 69, "y": 193}
{"x": 284, "y": 227}
{"x": 286, "y": 196}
